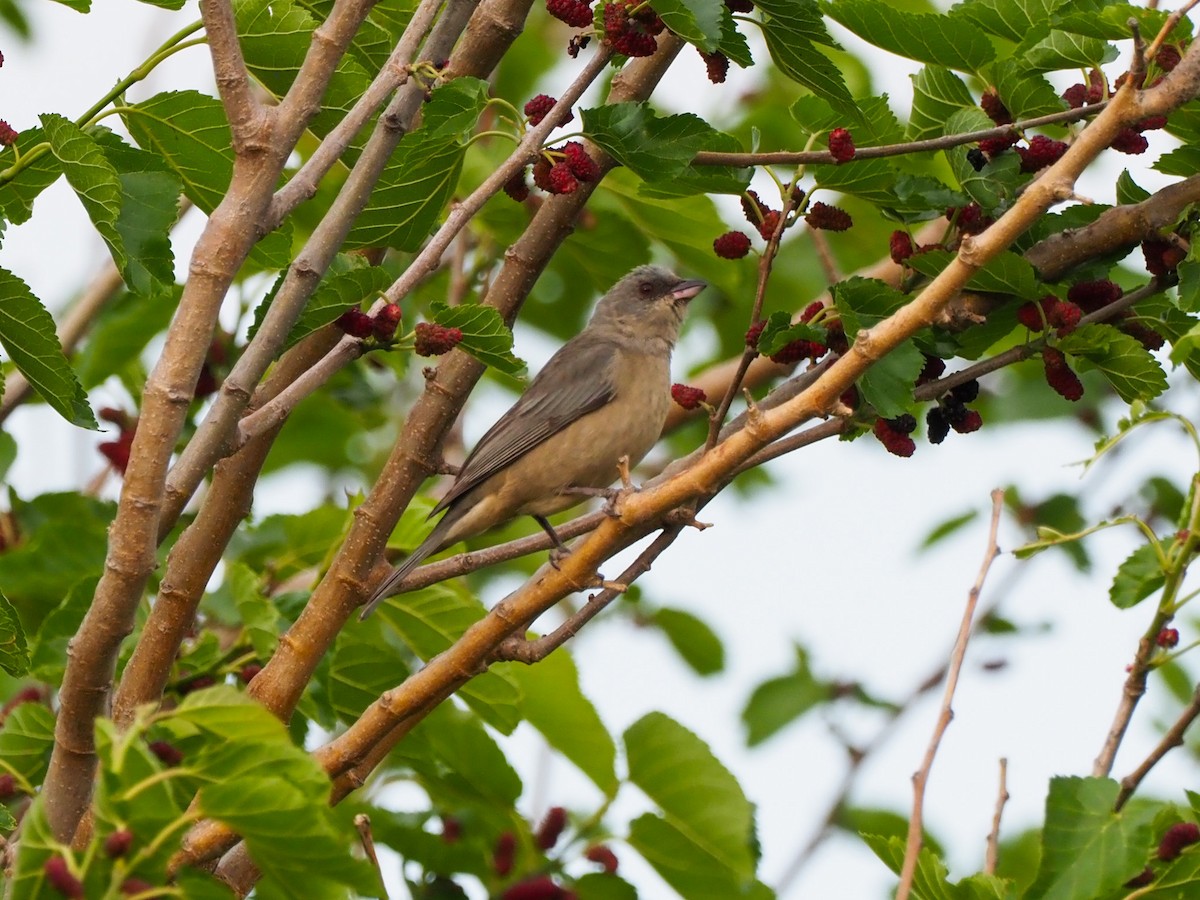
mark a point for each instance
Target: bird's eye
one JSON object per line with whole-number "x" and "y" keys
{"x": 645, "y": 287}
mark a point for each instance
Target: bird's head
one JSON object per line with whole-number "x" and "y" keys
{"x": 650, "y": 302}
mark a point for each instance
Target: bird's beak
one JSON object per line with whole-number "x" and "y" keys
{"x": 686, "y": 290}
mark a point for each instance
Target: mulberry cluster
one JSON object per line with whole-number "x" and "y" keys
{"x": 969, "y": 219}
{"x": 900, "y": 246}
{"x": 1060, "y": 376}
{"x": 996, "y": 145}
{"x": 1063, "y": 316}
{"x": 841, "y": 145}
{"x": 355, "y": 323}
{"x": 631, "y": 35}
{"x": 753, "y": 333}
{"x": 1131, "y": 141}
{"x": 576, "y": 13}
{"x": 538, "y": 108}
{"x": 602, "y": 856}
{"x": 895, "y": 434}
{"x": 1168, "y": 57}
{"x": 762, "y": 217}
{"x": 1162, "y": 256}
{"x": 551, "y": 828}
{"x": 952, "y": 412}
{"x": 1178, "y": 836}
{"x": 688, "y": 397}
{"x": 1041, "y": 152}
{"x": 802, "y": 349}
{"x": 517, "y": 187}
{"x": 434, "y": 340}
{"x": 822, "y": 216}
{"x": 1093, "y": 295}
{"x": 386, "y": 321}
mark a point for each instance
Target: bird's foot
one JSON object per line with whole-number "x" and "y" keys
{"x": 558, "y": 555}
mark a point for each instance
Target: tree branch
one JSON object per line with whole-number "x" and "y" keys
{"x": 921, "y": 778}
{"x": 1172, "y": 739}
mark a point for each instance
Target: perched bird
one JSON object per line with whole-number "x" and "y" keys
{"x": 604, "y": 395}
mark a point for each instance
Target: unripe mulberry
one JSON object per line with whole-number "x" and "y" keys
{"x": 1167, "y": 57}
{"x": 1167, "y": 638}
{"x": 539, "y": 887}
{"x": 561, "y": 179}
{"x": 1075, "y": 95}
{"x": 504, "y": 853}
{"x": 995, "y": 145}
{"x": 8, "y": 134}
{"x": 753, "y": 333}
{"x": 731, "y": 245}
{"x": 118, "y": 843}
{"x": 1130, "y": 141}
{"x": 969, "y": 421}
{"x": 895, "y": 442}
{"x": 386, "y": 321}
{"x": 537, "y": 108}
{"x": 1093, "y": 295}
{"x": 581, "y": 165}
{"x": 767, "y": 226}
{"x": 60, "y": 877}
{"x": 355, "y": 323}
{"x": 991, "y": 104}
{"x": 601, "y": 854}
{"x": 551, "y": 827}
{"x": 753, "y": 208}
{"x": 516, "y": 187}
{"x": 1161, "y": 256}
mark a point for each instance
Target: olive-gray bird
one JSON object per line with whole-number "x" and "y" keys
{"x": 604, "y": 395}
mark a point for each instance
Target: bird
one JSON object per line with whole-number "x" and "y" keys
{"x": 603, "y": 396}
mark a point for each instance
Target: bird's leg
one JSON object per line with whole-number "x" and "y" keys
{"x": 560, "y": 550}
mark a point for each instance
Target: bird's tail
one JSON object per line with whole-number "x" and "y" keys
{"x": 432, "y": 544}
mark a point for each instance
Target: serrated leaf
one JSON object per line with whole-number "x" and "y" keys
{"x": 888, "y": 385}
{"x": 1129, "y": 367}
{"x": 364, "y": 664}
{"x": 17, "y": 195}
{"x": 188, "y": 130}
{"x": 553, "y": 703}
{"x": 1013, "y": 20}
{"x": 484, "y": 334}
{"x": 791, "y": 29}
{"x": 926, "y": 37}
{"x": 1087, "y": 849}
{"x": 931, "y": 878}
{"x": 91, "y": 176}
{"x": 27, "y": 335}
{"x": 697, "y": 794}
{"x": 693, "y": 639}
{"x": 777, "y": 702}
{"x": 1189, "y": 284}
{"x": 275, "y": 36}
{"x": 26, "y": 741}
{"x": 696, "y": 21}
{"x": 126, "y": 325}
{"x": 863, "y": 302}
{"x": 1062, "y": 50}
{"x": 477, "y": 769}
{"x": 733, "y": 43}
{"x": 937, "y": 94}
{"x": 1111, "y": 22}
{"x": 433, "y": 618}
{"x": 781, "y": 331}
{"x": 423, "y": 171}
{"x": 1139, "y": 576}
{"x": 1005, "y": 273}
{"x": 14, "y": 650}
{"x": 1025, "y": 95}
{"x": 994, "y": 185}
{"x": 690, "y": 868}
{"x": 1128, "y": 190}
{"x": 1183, "y": 161}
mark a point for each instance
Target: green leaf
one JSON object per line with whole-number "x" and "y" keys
{"x": 937, "y": 94}
{"x": 423, "y": 171}
{"x": 791, "y": 27}
{"x": 1129, "y": 367}
{"x": 261, "y": 621}
{"x": 1013, "y": 20}
{"x": 1025, "y": 95}
{"x": 693, "y": 639}
{"x": 950, "y": 526}
{"x": 863, "y": 302}
{"x": 14, "y": 651}
{"x": 553, "y": 703}
{"x": 696, "y": 21}
{"x": 463, "y": 758}
{"x": 289, "y": 544}
{"x": 17, "y": 196}
{"x": 349, "y": 281}
{"x": 275, "y": 37}
{"x": 931, "y": 880}
{"x": 1189, "y": 284}
{"x": 91, "y": 176}
{"x": 150, "y": 194}
{"x": 699, "y": 797}
{"x": 778, "y": 702}
{"x": 603, "y": 886}
{"x": 691, "y": 868}
{"x": 28, "y": 337}
{"x": 1087, "y": 849}
{"x": 1183, "y": 161}
{"x": 26, "y": 741}
{"x": 888, "y": 385}
{"x": 484, "y": 334}
{"x": 189, "y": 132}
{"x": 1139, "y": 576}
{"x": 48, "y": 652}
{"x": 781, "y": 331}
{"x": 1128, "y": 190}
{"x": 926, "y": 37}
{"x": 128, "y": 323}
{"x": 1005, "y": 273}
{"x": 1062, "y": 50}
{"x": 1111, "y": 22}
{"x": 433, "y": 618}
{"x": 365, "y": 663}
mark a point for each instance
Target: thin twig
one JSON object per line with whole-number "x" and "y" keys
{"x": 992, "y": 856}
{"x": 1172, "y": 739}
{"x": 362, "y": 824}
{"x": 921, "y": 777}
{"x": 824, "y": 157}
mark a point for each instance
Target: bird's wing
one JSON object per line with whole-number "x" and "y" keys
{"x": 556, "y": 397}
